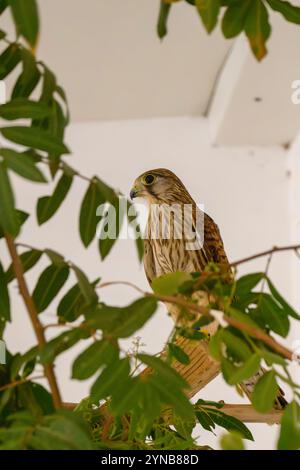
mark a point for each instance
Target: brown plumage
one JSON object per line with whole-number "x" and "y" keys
{"x": 166, "y": 245}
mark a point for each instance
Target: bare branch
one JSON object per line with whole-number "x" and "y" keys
{"x": 275, "y": 249}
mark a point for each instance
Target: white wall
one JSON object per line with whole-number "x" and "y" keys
{"x": 246, "y": 191}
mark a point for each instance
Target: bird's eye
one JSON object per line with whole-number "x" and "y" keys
{"x": 148, "y": 179}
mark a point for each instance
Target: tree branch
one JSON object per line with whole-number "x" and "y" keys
{"x": 33, "y": 315}
{"x": 252, "y": 331}
{"x": 248, "y": 414}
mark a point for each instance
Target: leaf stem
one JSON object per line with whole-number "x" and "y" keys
{"x": 16, "y": 383}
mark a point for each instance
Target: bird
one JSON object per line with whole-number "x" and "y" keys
{"x": 167, "y": 246}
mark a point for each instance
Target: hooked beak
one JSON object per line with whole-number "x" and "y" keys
{"x": 134, "y": 192}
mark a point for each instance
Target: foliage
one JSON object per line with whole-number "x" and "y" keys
{"x": 250, "y": 17}
{"x": 125, "y": 409}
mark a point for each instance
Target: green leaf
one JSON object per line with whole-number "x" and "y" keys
{"x": 29, "y": 77}
{"x": 178, "y": 354}
{"x": 9, "y": 59}
{"x": 19, "y": 108}
{"x": 110, "y": 379}
{"x": 150, "y": 402}
{"x": 166, "y": 372}
{"x": 21, "y": 360}
{"x": 257, "y": 28}
{"x": 28, "y": 259}
{"x": 49, "y": 84}
{"x": 215, "y": 345}
{"x": 23, "y": 164}
{"x": 36, "y": 138}
{"x": 247, "y": 283}
{"x": 234, "y": 18}
{"x": 232, "y": 441}
{"x": 205, "y": 420}
{"x": 286, "y": 307}
{"x": 108, "y": 194}
{"x": 163, "y": 15}
{"x": 168, "y": 284}
{"x": 134, "y": 316}
{"x": 26, "y": 19}
{"x": 73, "y": 304}
{"x": 48, "y": 205}
{"x": 57, "y": 121}
{"x": 61, "y": 343}
{"x": 272, "y": 358}
{"x": 21, "y": 218}
{"x": 3, "y": 5}
{"x": 69, "y": 308}
{"x": 236, "y": 346}
{"x": 139, "y": 243}
{"x": 265, "y": 392}
{"x": 243, "y": 317}
{"x": 49, "y": 284}
{"x": 63, "y": 430}
{"x": 228, "y": 369}
{"x": 114, "y": 218}
{"x": 100, "y": 353}
{"x": 273, "y": 316}
{"x": 88, "y": 219}
{"x": 54, "y": 257}
{"x": 289, "y": 438}
{"x": 42, "y": 397}
{"x": 87, "y": 289}
{"x": 290, "y": 12}
{"x": 172, "y": 396}
{"x": 8, "y": 216}
{"x": 4, "y": 297}
{"x": 209, "y": 12}
{"x": 247, "y": 370}
{"x": 122, "y": 322}
{"x": 229, "y": 422}
{"x": 125, "y": 398}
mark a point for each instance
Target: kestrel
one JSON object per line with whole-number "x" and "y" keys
{"x": 167, "y": 245}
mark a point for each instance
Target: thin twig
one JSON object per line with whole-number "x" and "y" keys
{"x": 122, "y": 283}
{"x": 275, "y": 249}
{"x": 33, "y": 314}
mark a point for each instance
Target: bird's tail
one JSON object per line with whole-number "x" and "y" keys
{"x": 248, "y": 386}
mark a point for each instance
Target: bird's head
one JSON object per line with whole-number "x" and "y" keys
{"x": 160, "y": 186}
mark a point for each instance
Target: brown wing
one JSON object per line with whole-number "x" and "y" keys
{"x": 213, "y": 243}
{"x": 149, "y": 264}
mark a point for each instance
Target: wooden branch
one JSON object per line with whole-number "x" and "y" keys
{"x": 33, "y": 315}
{"x": 248, "y": 414}
{"x": 245, "y": 413}
{"x": 275, "y": 249}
